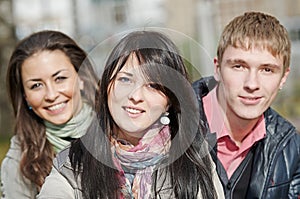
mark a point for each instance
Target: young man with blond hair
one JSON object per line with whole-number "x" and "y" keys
{"x": 257, "y": 151}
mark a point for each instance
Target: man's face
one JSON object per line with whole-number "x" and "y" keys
{"x": 248, "y": 81}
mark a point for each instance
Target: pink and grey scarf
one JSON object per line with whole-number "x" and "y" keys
{"x": 137, "y": 163}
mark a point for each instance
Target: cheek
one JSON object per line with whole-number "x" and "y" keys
{"x": 34, "y": 99}
{"x": 271, "y": 90}
{"x": 112, "y": 101}
{"x": 69, "y": 90}
{"x": 232, "y": 83}
{"x": 117, "y": 93}
{"x": 158, "y": 103}
{"x": 270, "y": 85}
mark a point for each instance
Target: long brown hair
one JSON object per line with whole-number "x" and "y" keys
{"x": 37, "y": 152}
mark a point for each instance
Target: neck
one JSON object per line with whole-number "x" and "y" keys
{"x": 239, "y": 128}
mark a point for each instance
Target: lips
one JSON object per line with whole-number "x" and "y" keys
{"x": 250, "y": 100}
{"x": 57, "y": 106}
{"x": 132, "y": 110}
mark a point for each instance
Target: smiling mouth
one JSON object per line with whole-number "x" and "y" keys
{"x": 133, "y": 110}
{"x": 251, "y": 98}
{"x": 57, "y": 106}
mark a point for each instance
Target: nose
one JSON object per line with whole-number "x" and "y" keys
{"x": 252, "y": 81}
{"x": 137, "y": 94}
{"x": 51, "y": 93}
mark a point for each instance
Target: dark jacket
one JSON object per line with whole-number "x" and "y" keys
{"x": 271, "y": 169}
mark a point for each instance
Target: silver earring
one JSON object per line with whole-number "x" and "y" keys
{"x": 29, "y": 107}
{"x": 164, "y": 119}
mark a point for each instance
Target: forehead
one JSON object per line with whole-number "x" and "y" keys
{"x": 46, "y": 63}
{"x": 132, "y": 65}
{"x": 253, "y": 55}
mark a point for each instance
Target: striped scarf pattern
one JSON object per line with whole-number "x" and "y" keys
{"x": 137, "y": 163}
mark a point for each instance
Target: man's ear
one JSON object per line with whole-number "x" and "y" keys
{"x": 216, "y": 69}
{"x": 81, "y": 84}
{"x": 284, "y": 77}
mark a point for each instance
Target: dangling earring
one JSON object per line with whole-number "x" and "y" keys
{"x": 164, "y": 119}
{"x": 29, "y": 107}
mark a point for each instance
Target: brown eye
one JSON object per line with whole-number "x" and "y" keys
{"x": 60, "y": 78}
{"x": 268, "y": 70}
{"x": 237, "y": 66}
{"x": 37, "y": 85}
{"x": 153, "y": 86}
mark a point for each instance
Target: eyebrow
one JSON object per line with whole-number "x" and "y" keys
{"x": 126, "y": 73}
{"x": 232, "y": 61}
{"x": 39, "y": 79}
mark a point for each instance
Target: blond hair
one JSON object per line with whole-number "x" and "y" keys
{"x": 256, "y": 30}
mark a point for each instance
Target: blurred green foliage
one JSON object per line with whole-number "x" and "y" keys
{"x": 287, "y": 103}
{"x": 4, "y": 145}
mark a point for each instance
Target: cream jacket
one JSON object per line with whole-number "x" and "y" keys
{"x": 60, "y": 184}
{"x": 13, "y": 184}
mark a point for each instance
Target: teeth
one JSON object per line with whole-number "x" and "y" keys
{"x": 133, "y": 111}
{"x": 56, "y": 107}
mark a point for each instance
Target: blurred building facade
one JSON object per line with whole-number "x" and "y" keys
{"x": 92, "y": 21}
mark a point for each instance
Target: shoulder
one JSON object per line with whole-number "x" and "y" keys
{"x": 11, "y": 161}
{"x": 56, "y": 186}
{"x": 276, "y": 124}
{"x": 282, "y": 131}
{"x": 14, "y": 151}
{"x": 13, "y": 183}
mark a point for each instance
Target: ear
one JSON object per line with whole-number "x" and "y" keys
{"x": 216, "y": 69}
{"x": 81, "y": 84}
{"x": 284, "y": 77}
{"x": 167, "y": 107}
{"x": 28, "y": 104}
{"x": 25, "y": 98}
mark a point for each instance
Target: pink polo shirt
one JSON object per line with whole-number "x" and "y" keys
{"x": 228, "y": 152}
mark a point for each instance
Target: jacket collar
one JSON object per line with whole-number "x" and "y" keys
{"x": 204, "y": 85}
{"x": 277, "y": 126}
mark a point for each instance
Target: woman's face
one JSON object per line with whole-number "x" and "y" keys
{"x": 134, "y": 103}
{"x": 51, "y": 86}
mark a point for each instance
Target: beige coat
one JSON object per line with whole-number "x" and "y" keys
{"x": 61, "y": 183}
{"x": 13, "y": 184}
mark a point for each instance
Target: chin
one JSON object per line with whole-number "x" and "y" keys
{"x": 59, "y": 122}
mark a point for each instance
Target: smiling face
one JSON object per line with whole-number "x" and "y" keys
{"x": 248, "y": 81}
{"x": 51, "y": 86}
{"x": 134, "y": 103}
